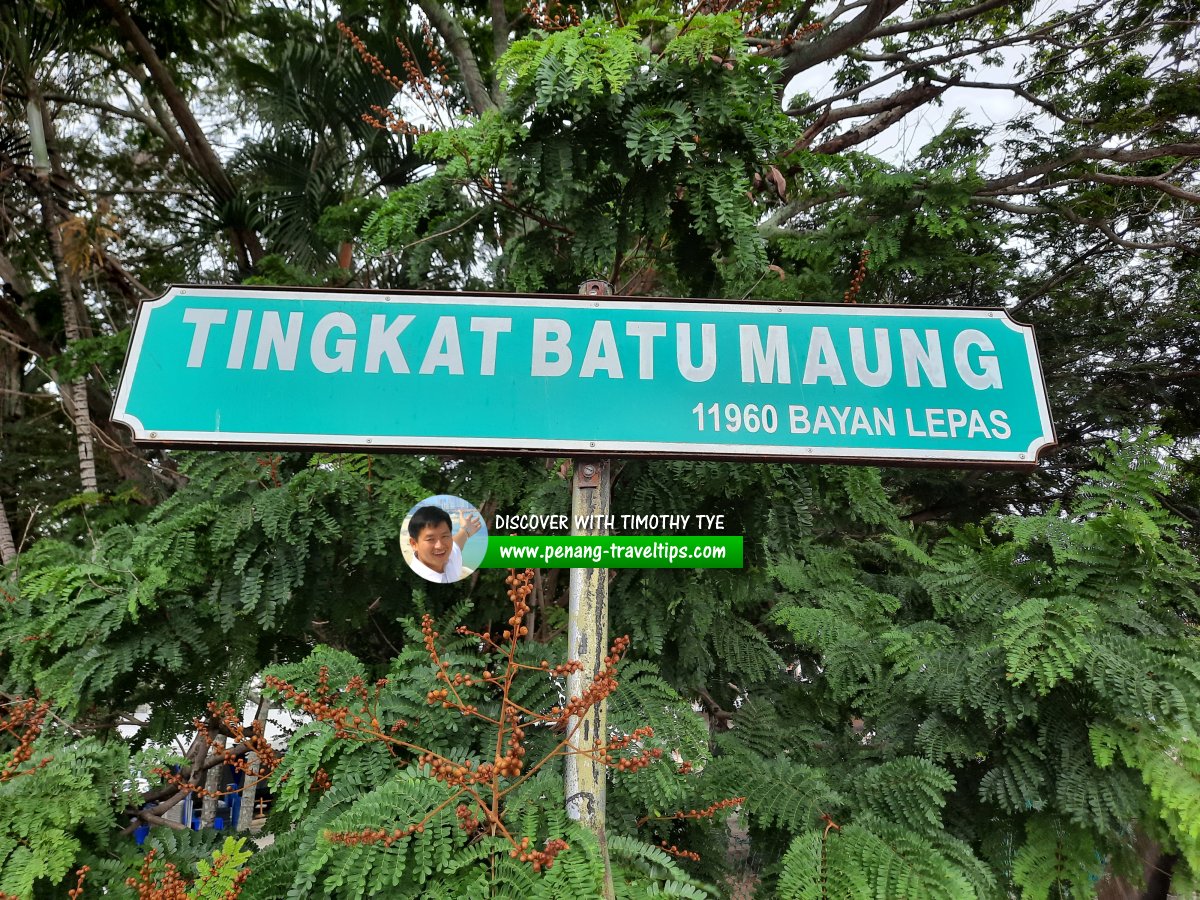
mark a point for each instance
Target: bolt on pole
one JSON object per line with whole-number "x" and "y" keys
{"x": 587, "y": 641}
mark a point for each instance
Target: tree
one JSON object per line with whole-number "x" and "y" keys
{"x": 938, "y": 683}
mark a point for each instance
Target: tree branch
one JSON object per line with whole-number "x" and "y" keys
{"x": 1157, "y": 184}
{"x": 776, "y": 220}
{"x": 1061, "y": 274}
{"x": 209, "y": 166}
{"x": 1016, "y": 90}
{"x": 908, "y": 64}
{"x": 801, "y": 56}
{"x": 499, "y": 42}
{"x": 894, "y": 108}
{"x": 1091, "y": 153}
{"x": 74, "y": 100}
{"x": 1104, "y": 228}
{"x": 938, "y": 20}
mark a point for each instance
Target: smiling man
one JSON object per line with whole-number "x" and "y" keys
{"x": 437, "y": 551}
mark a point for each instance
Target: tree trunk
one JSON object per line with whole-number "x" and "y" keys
{"x": 12, "y": 403}
{"x": 11, "y": 408}
{"x": 39, "y": 129}
{"x": 446, "y": 25}
{"x": 1158, "y": 867}
{"x": 208, "y": 165}
{"x": 1158, "y": 876}
{"x": 250, "y": 785}
{"x": 8, "y": 547}
{"x": 212, "y": 783}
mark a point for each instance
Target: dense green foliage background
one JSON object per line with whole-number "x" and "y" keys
{"x": 924, "y": 682}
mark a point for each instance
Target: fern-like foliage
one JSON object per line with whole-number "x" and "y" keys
{"x": 645, "y": 699}
{"x": 50, "y": 813}
{"x": 1057, "y": 860}
{"x": 1015, "y": 694}
{"x": 874, "y": 860}
{"x": 372, "y": 869}
{"x": 908, "y": 790}
{"x": 217, "y": 877}
{"x": 252, "y": 547}
{"x": 589, "y": 145}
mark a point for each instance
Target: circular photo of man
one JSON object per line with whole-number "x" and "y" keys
{"x": 443, "y": 539}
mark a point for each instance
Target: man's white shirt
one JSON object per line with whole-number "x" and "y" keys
{"x": 453, "y": 570}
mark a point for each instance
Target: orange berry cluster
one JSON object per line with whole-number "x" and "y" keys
{"x": 541, "y": 859}
{"x": 510, "y": 764}
{"x": 173, "y": 886}
{"x": 539, "y": 14}
{"x": 716, "y": 7}
{"x": 632, "y": 763}
{"x": 682, "y": 854}
{"x": 640, "y": 761}
{"x": 859, "y": 276}
{"x": 567, "y": 668}
{"x": 620, "y": 743}
{"x": 254, "y": 740}
{"x": 754, "y": 15}
{"x": 25, "y": 722}
{"x": 318, "y": 706}
{"x": 442, "y": 695}
{"x": 602, "y": 686}
{"x": 389, "y": 120}
{"x": 429, "y": 636}
{"x": 76, "y": 892}
{"x": 321, "y": 782}
{"x": 431, "y": 91}
{"x": 170, "y": 887}
{"x": 440, "y": 74}
{"x": 710, "y": 810}
{"x": 356, "y": 685}
{"x": 373, "y": 835}
{"x": 801, "y": 33}
{"x": 466, "y": 818}
{"x": 685, "y": 767}
{"x": 520, "y": 587}
{"x": 378, "y": 69}
{"x": 449, "y": 772}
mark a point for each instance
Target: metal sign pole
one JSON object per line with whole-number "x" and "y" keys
{"x": 587, "y": 641}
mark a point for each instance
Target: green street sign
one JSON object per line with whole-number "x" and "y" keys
{"x": 598, "y": 375}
